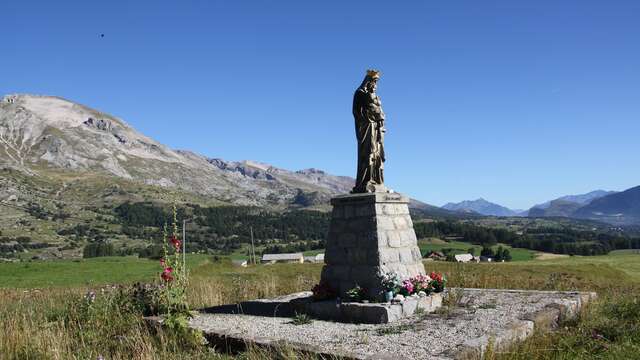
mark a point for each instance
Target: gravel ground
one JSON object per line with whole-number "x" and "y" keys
{"x": 436, "y": 336}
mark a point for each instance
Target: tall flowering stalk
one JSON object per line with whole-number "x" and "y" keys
{"x": 174, "y": 272}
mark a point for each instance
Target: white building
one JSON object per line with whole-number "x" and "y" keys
{"x": 318, "y": 258}
{"x": 282, "y": 258}
{"x": 464, "y": 258}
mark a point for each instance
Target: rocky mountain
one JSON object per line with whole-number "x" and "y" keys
{"x": 566, "y": 205}
{"x": 46, "y": 132}
{"x": 481, "y": 206}
{"x": 618, "y": 208}
{"x": 557, "y": 207}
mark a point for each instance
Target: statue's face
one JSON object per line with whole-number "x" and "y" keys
{"x": 372, "y": 86}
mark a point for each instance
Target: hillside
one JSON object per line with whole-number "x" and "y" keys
{"x": 619, "y": 208}
{"x": 50, "y": 132}
{"x": 566, "y": 205}
{"x": 555, "y": 208}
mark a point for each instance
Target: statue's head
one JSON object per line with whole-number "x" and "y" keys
{"x": 372, "y": 76}
{"x": 370, "y": 83}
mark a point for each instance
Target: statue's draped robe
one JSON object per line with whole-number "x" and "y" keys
{"x": 369, "y": 121}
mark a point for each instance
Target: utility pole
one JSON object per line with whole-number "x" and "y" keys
{"x": 253, "y": 249}
{"x": 184, "y": 246}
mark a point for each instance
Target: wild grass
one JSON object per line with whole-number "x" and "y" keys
{"x": 58, "y": 323}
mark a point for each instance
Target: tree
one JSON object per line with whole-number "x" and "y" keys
{"x": 487, "y": 251}
{"x": 472, "y": 251}
{"x": 503, "y": 254}
{"x": 98, "y": 249}
{"x": 506, "y": 255}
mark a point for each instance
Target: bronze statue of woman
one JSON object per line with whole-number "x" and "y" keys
{"x": 369, "y": 119}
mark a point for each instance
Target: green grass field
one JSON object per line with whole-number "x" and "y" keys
{"x": 84, "y": 272}
{"x": 459, "y": 247}
{"x": 121, "y": 270}
{"x": 38, "y": 327}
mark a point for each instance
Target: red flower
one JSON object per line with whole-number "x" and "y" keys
{"x": 175, "y": 242}
{"x": 436, "y": 276}
{"x": 166, "y": 274}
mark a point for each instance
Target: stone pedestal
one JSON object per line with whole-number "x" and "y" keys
{"x": 370, "y": 235}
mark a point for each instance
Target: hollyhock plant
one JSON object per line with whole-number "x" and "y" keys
{"x": 171, "y": 296}
{"x": 173, "y": 274}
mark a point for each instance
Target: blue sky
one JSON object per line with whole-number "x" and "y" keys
{"x": 517, "y": 103}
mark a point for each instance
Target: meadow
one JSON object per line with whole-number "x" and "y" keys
{"x": 460, "y": 247}
{"x": 44, "y": 314}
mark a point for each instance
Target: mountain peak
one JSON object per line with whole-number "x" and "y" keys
{"x": 55, "y": 132}
{"x": 480, "y": 206}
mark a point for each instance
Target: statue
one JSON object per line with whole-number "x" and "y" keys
{"x": 369, "y": 121}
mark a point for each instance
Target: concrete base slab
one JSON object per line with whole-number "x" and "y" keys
{"x": 347, "y": 312}
{"x": 480, "y": 317}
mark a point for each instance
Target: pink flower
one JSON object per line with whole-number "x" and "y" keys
{"x": 162, "y": 262}
{"x": 166, "y": 274}
{"x": 408, "y": 286}
{"x": 175, "y": 242}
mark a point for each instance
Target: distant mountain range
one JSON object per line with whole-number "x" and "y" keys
{"x": 619, "y": 208}
{"x": 581, "y": 199}
{"x": 481, "y": 206}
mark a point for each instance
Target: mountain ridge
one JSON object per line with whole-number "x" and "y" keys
{"x": 50, "y": 131}
{"x": 480, "y": 206}
{"x": 618, "y": 208}
{"x": 582, "y": 199}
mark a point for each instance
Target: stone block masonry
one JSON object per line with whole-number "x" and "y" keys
{"x": 370, "y": 234}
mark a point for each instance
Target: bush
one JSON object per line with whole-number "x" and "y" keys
{"x": 98, "y": 249}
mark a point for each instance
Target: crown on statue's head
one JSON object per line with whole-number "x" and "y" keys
{"x": 374, "y": 74}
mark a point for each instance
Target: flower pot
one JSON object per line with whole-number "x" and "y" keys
{"x": 388, "y": 296}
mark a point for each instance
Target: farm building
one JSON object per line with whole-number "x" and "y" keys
{"x": 318, "y": 258}
{"x": 282, "y": 258}
{"x": 464, "y": 258}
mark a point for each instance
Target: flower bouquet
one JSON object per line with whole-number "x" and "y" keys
{"x": 391, "y": 285}
{"x": 438, "y": 281}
